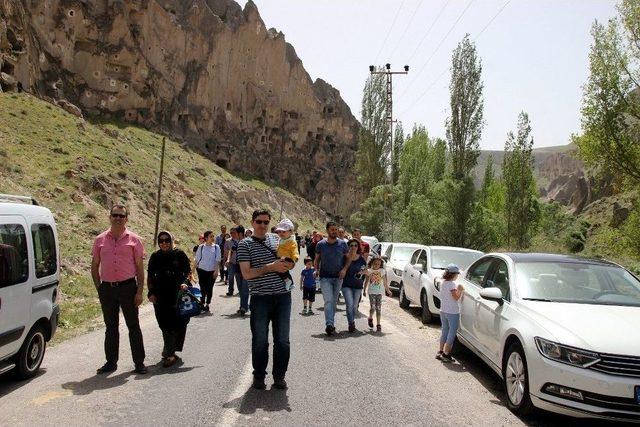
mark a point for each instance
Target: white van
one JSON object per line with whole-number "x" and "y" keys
{"x": 29, "y": 278}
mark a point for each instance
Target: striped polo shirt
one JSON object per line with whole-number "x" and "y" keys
{"x": 258, "y": 254}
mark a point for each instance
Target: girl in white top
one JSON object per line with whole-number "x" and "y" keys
{"x": 450, "y": 294}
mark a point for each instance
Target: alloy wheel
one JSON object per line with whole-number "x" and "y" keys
{"x": 515, "y": 378}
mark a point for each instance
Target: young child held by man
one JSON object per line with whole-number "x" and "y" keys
{"x": 287, "y": 248}
{"x": 308, "y": 286}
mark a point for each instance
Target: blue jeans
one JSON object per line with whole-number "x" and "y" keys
{"x": 351, "y": 298}
{"x": 231, "y": 270}
{"x": 243, "y": 289}
{"x": 450, "y": 324}
{"x": 330, "y": 291}
{"x": 277, "y": 310}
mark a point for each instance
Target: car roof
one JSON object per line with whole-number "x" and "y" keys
{"x": 409, "y": 245}
{"x": 542, "y": 257}
{"x": 8, "y": 208}
{"x": 455, "y": 248}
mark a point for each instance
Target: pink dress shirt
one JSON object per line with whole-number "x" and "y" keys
{"x": 117, "y": 257}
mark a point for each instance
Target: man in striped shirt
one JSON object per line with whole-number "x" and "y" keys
{"x": 270, "y": 301}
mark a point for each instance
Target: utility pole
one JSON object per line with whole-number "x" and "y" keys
{"x": 390, "y": 121}
{"x": 159, "y": 194}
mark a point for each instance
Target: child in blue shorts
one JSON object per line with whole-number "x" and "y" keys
{"x": 308, "y": 286}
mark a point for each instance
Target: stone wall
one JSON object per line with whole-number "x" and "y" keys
{"x": 205, "y": 71}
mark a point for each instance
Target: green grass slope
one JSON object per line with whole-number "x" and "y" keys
{"x": 77, "y": 168}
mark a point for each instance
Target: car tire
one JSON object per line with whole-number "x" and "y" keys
{"x": 404, "y": 301}
{"x": 425, "y": 313}
{"x": 31, "y": 354}
{"x": 516, "y": 381}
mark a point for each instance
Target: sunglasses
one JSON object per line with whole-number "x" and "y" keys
{"x": 115, "y": 215}
{"x": 164, "y": 240}
{"x": 261, "y": 222}
{"x": 354, "y": 245}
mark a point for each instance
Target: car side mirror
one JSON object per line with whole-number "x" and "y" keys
{"x": 418, "y": 267}
{"x": 492, "y": 294}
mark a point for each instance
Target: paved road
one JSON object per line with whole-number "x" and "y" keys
{"x": 363, "y": 378}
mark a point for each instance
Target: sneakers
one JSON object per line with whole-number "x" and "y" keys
{"x": 106, "y": 368}
{"x": 439, "y": 355}
{"x": 280, "y": 384}
{"x": 446, "y": 358}
{"x": 330, "y": 329}
{"x": 241, "y": 311}
{"x": 378, "y": 328}
{"x": 258, "y": 383}
{"x": 304, "y": 311}
{"x": 140, "y": 368}
{"x": 310, "y": 312}
{"x": 371, "y": 322}
{"x": 352, "y": 327}
{"x": 206, "y": 308}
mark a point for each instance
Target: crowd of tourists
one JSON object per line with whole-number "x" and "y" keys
{"x": 258, "y": 262}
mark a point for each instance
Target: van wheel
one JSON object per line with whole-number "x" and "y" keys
{"x": 516, "y": 381}
{"x": 425, "y": 315}
{"x": 31, "y": 353}
{"x": 404, "y": 302}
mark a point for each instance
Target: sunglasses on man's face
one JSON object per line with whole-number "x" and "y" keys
{"x": 164, "y": 240}
{"x": 261, "y": 222}
{"x": 117, "y": 215}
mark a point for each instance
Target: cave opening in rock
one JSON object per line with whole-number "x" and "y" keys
{"x": 223, "y": 163}
{"x": 7, "y": 68}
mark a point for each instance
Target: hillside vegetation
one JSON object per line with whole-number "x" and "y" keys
{"x": 78, "y": 168}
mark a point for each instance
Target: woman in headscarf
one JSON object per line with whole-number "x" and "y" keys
{"x": 168, "y": 271}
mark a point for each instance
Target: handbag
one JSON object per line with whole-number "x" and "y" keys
{"x": 189, "y": 303}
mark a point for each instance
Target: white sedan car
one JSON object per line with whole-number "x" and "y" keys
{"x": 396, "y": 257}
{"x": 561, "y": 331}
{"x": 421, "y": 276}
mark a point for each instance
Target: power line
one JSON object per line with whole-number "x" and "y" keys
{"x": 438, "y": 47}
{"x": 445, "y": 70}
{"x": 406, "y": 28}
{"x": 389, "y": 32}
{"x": 428, "y": 31}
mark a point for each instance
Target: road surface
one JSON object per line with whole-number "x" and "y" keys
{"x": 365, "y": 378}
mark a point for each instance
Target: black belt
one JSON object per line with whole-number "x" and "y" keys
{"x": 122, "y": 282}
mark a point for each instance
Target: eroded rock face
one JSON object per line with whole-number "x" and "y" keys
{"x": 207, "y": 71}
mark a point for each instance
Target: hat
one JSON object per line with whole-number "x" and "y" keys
{"x": 285, "y": 225}
{"x": 452, "y": 268}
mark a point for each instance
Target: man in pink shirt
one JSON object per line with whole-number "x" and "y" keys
{"x": 117, "y": 268}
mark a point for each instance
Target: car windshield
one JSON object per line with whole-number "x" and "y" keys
{"x": 580, "y": 283}
{"x": 402, "y": 253}
{"x": 440, "y": 258}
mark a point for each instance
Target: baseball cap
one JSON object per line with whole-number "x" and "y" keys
{"x": 285, "y": 225}
{"x": 452, "y": 268}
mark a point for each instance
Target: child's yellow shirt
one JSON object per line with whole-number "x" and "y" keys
{"x": 288, "y": 248}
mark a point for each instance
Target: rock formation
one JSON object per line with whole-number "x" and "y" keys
{"x": 205, "y": 71}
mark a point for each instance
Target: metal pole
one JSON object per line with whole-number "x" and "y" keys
{"x": 155, "y": 234}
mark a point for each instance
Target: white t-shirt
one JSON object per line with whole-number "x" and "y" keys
{"x": 376, "y": 281}
{"x": 447, "y": 303}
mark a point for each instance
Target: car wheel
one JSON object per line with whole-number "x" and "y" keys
{"x": 516, "y": 381}
{"x": 404, "y": 302}
{"x": 31, "y": 353}
{"x": 425, "y": 314}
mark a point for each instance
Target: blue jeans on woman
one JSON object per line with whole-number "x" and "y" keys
{"x": 274, "y": 309}
{"x": 450, "y": 324}
{"x": 351, "y": 298}
{"x": 330, "y": 291}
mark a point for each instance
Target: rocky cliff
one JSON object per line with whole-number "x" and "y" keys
{"x": 205, "y": 71}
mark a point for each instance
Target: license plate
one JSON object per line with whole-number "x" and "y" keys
{"x": 638, "y": 394}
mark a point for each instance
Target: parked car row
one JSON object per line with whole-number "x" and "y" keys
{"x": 560, "y": 331}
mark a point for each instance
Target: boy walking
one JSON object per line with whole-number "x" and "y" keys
{"x": 308, "y": 286}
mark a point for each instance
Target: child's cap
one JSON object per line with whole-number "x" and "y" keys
{"x": 285, "y": 225}
{"x": 453, "y": 269}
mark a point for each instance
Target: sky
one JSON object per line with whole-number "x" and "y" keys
{"x": 534, "y": 55}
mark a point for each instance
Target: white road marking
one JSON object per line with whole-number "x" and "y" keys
{"x": 231, "y": 415}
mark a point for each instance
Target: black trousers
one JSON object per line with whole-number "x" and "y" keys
{"x": 206, "y": 280}
{"x": 174, "y": 328}
{"x": 112, "y": 299}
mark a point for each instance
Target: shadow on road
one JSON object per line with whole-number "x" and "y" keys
{"x": 347, "y": 335}
{"x": 273, "y": 400}
{"x": 9, "y": 383}
{"x": 102, "y": 382}
{"x": 235, "y": 316}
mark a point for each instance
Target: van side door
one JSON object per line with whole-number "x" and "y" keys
{"x": 15, "y": 283}
{"x": 46, "y": 268}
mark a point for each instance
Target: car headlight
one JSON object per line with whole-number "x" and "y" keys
{"x": 397, "y": 272}
{"x": 564, "y": 354}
